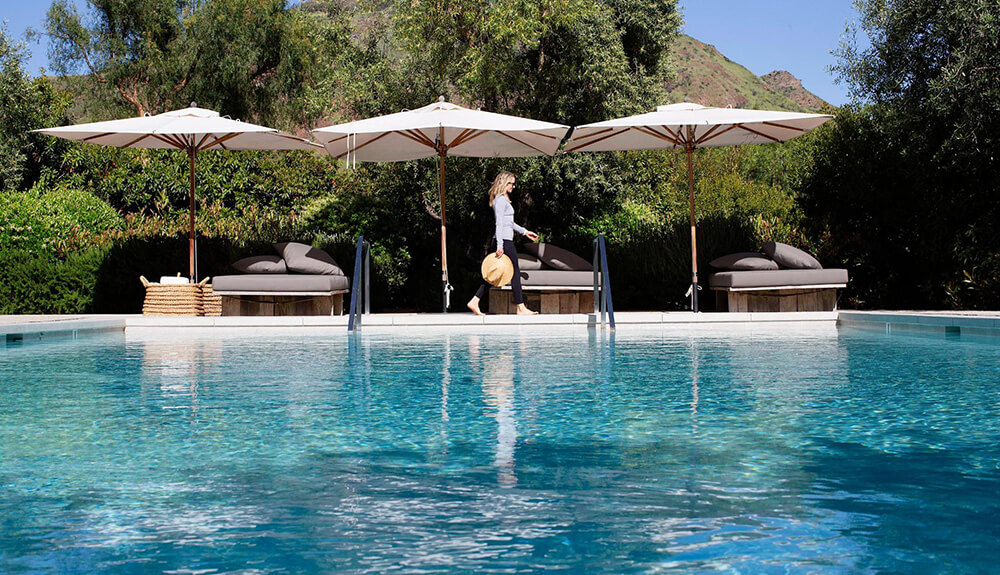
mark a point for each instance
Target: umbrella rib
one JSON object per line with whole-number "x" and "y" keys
{"x": 356, "y": 148}
{"x": 296, "y": 138}
{"x": 592, "y": 142}
{"x": 540, "y": 134}
{"x": 136, "y": 141}
{"x": 169, "y": 140}
{"x": 675, "y": 135}
{"x": 710, "y": 136}
{"x": 776, "y": 125}
{"x": 95, "y": 136}
{"x": 335, "y": 140}
{"x": 179, "y": 141}
{"x": 594, "y": 134}
{"x": 761, "y": 134}
{"x": 412, "y": 137}
{"x": 502, "y": 133}
{"x": 418, "y": 136}
{"x": 649, "y": 131}
{"x": 198, "y": 145}
{"x": 219, "y": 142}
{"x": 706, "y": 135}
{"x": 458, "y": 139}
{"x": 468, "y": 139}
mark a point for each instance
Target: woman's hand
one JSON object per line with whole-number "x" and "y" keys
{"x": 499, "y": 252}
{"x": 531, "y": 236}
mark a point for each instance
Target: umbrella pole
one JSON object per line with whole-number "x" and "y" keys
{"x": 445, "y": 286}
{"x": 694, "y": 235}
{"x": 191, "y": 262}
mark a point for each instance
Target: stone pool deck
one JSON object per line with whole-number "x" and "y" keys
{"x": 950, "y": 324}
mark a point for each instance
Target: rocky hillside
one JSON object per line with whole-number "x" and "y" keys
{"x": 705, "y": 76}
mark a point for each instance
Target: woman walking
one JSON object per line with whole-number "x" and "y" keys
{"x": 503, "y": 240}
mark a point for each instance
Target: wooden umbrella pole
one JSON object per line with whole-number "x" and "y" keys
{"x": 191, "y": 154}
{"x": 694, "y": 235}
{"x": 444, "y": 247}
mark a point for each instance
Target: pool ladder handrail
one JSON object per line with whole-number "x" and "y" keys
{"x": 603, "y": 305}
{"x": 360, "y": 289}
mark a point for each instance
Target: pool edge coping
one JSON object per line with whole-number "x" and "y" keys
{"x": 932, "y": 322}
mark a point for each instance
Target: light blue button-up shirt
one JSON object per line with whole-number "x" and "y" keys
{"x": 506, "y": 227}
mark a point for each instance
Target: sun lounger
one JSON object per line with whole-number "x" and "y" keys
{"x": 281, "y": 294}
{"x": 778, "y": 290}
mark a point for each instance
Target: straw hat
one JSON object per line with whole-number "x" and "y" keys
{"x": 497, "y": 270}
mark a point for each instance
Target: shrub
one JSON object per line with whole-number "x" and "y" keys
{"x": 54, "y": 222}
{"x": 31, "y": 283}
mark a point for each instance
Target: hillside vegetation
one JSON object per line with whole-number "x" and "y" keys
{"x": 705, "y": 76}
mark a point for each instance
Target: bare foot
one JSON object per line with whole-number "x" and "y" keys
{"x": 523, "y": 310}
{"x": 473, "y": 306}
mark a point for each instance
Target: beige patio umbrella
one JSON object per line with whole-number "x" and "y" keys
{"x": 440, "y": 129}
{"x": 192, "y": 130}
{"x": 689, "y": 126}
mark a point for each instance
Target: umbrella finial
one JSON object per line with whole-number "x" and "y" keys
{"x": 194, "y": 104}
{"x": 440, "y": 98}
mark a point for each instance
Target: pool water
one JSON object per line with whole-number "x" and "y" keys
{"x": 765, "y": 450}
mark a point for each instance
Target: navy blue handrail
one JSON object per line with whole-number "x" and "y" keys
{"x": 603, "y": 304}
{"x": 359, "y": 285}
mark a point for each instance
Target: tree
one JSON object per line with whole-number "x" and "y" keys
{"x": 25, "y": 105}
{"x": 572, "y": 61}
{"x": 907, "y": 185}
{"x": 250, "y": 59}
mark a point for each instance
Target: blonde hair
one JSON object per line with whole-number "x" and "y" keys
{"x": 500, "y": 185}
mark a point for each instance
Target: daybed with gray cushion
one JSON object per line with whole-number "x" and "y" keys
{"x": 554, "y": 280}
{"x": 782, "y": 278}
{"x": 303, "y": 281}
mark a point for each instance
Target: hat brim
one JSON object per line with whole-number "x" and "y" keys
{"x": 497, "y": 271}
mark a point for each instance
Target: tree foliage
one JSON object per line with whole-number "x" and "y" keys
{"x": 906, "y": 184}
{"x": 25, "y": 105}
{"x": 573, "y": 61}
{"x": 251, "y": 59}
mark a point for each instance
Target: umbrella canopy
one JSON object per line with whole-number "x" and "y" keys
{"x": 440, "y": 129}
{"x": 191, "y": 129}
{"x": 689, "y": 126}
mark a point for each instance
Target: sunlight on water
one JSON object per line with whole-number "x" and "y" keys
{"x": 707, "y": 449}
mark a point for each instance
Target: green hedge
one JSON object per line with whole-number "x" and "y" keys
{"x": 30, "y": 284}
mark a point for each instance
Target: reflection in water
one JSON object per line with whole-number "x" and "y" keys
{"x": 176, "y": 366}
{"x": 445, "y": 382}
{"x": 695, "y": 364}
{"x": 498, "y": 386}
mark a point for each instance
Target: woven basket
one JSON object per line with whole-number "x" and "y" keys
{"x": 173, "y": 299}
{"x": 211, "y": 302}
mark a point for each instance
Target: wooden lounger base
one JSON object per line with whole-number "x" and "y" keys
{"x": 544, "y": 300}
{"x": 282, "y": 304}
{"x": 790, "y": 298}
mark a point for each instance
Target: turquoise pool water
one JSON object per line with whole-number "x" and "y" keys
{"x": 754, "y": 451}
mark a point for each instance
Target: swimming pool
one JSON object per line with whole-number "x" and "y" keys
{"x": 772, "y": 449}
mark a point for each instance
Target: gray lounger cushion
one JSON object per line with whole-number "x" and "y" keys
{"x": 528, "y": 262}
{"x": 556, "y": 278}
{"x": 304, "y": 259}
{"x": 777, "y": 278}
{"x": 279, "y": 283}
{"x": 557, "y": 258}
{"x": 744, "y": 261}
{"x": 261, "y": 265}
{"x": 789, "y": 257}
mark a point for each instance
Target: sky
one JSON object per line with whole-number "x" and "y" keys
{"x": 767, "y": 35}
{"x": 762, "y": 35}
